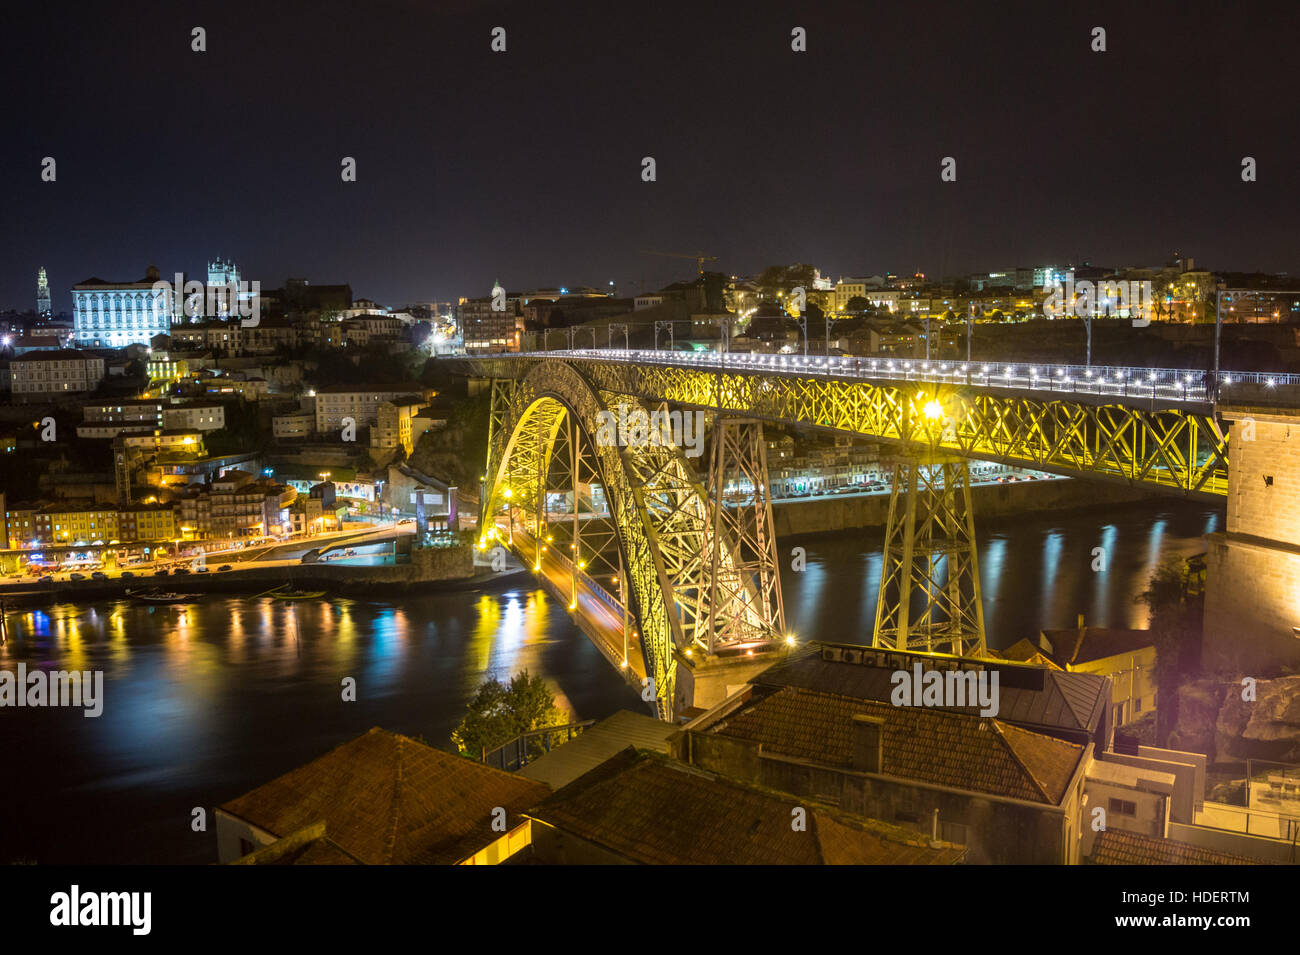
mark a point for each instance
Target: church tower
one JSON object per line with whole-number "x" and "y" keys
{"x": 43, "y": 295}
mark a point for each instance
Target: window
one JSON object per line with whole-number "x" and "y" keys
{"x": 1123, "y": 807}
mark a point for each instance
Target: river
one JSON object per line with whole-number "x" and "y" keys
{"x": 206, "y": 701}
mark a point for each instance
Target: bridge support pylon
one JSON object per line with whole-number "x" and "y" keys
{"x": 929, "y": 597}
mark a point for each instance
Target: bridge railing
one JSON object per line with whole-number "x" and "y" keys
{"x": 515, "y": 754}
{"x": 588, "y": 581}
{"x": 1176, "y": 384}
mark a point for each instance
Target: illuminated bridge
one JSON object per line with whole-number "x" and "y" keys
{"x": 691, "y": 566}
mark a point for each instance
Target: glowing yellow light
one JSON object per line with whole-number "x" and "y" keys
{"x": 933, "y": 410}
{"x": 790, "y": 639}
{"x": 507, "y": 494}
{"x": 573, "y": 605}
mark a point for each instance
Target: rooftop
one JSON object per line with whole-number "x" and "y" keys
{"x": 653, "y": 810}
{"x": 1118, "y": 847}
{"x": 388, "y": 799}
{"x": 1086, "y": 644}
{"x": 566, "y": 763}
{"x": 925, "y": 744}
{"x": 1071, "y": 705}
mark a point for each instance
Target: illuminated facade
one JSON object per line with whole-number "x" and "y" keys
{"x": 117, "y": 314}
{"x": 42, "y": 294}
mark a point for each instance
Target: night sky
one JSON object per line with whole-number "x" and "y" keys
{"x": 474, "y": 165}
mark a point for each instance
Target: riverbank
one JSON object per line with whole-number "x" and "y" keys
{"x": 430, "y": 570}
{"x": 822, "y": 515}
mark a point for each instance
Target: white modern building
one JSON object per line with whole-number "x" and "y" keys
{"x": 117, "y": 314}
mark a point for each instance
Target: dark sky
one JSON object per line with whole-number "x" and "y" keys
{"x": 526, "y": 165}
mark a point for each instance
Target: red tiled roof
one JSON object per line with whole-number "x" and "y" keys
{"x": 386, "y": 798}
{"x": 928, "y": 745}
{"x": 654, "y": 810}
{"x": 1118, "y": 847}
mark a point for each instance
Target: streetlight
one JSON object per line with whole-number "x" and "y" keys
{"x": 664, "y": 323}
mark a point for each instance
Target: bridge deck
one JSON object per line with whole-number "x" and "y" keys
{"x": 598, "y": 613}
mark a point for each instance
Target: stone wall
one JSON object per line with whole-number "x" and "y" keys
{"x": 1252, "y": 598}
{"x": 821, "y": 515}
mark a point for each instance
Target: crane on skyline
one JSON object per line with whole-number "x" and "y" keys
{"x": 699, "y": 257}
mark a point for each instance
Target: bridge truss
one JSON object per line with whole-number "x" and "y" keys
{"x": 699, "y": 583}
{"x": 697, "y": 573}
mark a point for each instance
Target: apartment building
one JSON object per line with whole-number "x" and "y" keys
{"x": 35, "y": 525}
{"x": 46, "y": 375}
{"x": 399, "y": 423}
{"x": 237, "y": 505}
{"x": 360, "y": 403}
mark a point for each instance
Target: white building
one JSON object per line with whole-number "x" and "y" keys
{"x": 360, "y": 404}
{"x": 117, "y": 314}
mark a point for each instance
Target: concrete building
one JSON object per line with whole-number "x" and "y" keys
{"x": 33, "y": 526}
{"x": 847, "y": 289}
{"x": 293, "y": 426}
{"x": 47, "y": 375}
{"x": 359, "y": 403}
{"x": 1026, "y": 784}
{"x": 1126, "y": 657}
{"x": 115, "y": 314}
{"x": 237, "y": 505}
{"x": 399, "y": 423}
{"x": 484, "y": 329}
{"x": 109, "y": 419}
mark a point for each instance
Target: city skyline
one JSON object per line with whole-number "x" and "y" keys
{"x": 466, "y": 158}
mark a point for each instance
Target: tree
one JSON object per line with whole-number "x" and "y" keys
{"x": 1176, "y": 615}
{"x": 857, "y": 305}
{"x": 499, "y": 713}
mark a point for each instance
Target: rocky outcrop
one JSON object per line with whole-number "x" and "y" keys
{"x": 1214, "y": 719}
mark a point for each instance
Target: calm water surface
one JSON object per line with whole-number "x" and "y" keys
{"x": 206, "y": 701}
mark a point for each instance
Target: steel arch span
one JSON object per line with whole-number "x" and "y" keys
{"x": 691, "y": 586}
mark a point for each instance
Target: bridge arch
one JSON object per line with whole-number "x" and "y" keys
{"x": 663, "y": 524}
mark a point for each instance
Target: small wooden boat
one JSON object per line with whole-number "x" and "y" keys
{"x": 292, "y": 593}
{"x": 161, "y": 597}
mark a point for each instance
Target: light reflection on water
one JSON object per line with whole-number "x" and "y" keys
{"x": 206, "y": 701}
{"x": 1035, "y": 572}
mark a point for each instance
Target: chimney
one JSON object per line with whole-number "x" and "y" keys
{"x": 868, "y": 743}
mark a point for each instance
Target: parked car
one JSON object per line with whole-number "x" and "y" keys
{"x": 223, "y": 567}
{"x": 181, "y": 572}
{"x": 99, "y": 575}
{"x": 128, "y": 574}
{"x": 47, "y": 579}
{"x": 76, "y": 576}
{"x": 161, "y": 573}
{"x": 202, "y": 570}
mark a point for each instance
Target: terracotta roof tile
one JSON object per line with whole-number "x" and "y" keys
{"x": 386, "y": 798}
{"x": 928, "y": 745}
{"x": 1118, "y": 847}
{"x": 651, "y": 809}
